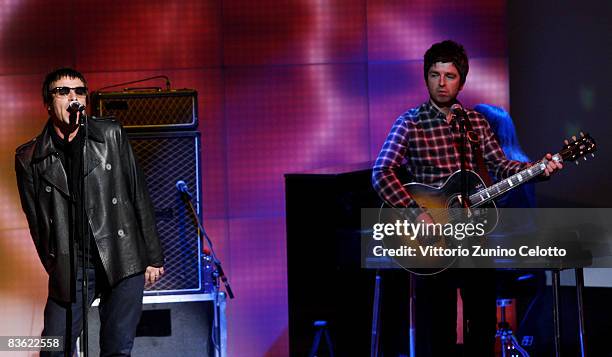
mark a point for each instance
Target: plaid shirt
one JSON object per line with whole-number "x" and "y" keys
{"x": 422, "y": 140}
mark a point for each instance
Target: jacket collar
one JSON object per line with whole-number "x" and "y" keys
{"x": 45, "y": 146}
{"x": 94, "y": 132}
{"x": 53, "y": 171}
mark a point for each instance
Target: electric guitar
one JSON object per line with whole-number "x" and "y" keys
{"x": 445, "y": 204}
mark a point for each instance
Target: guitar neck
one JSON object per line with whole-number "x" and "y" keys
{"x": 507, "y": 184}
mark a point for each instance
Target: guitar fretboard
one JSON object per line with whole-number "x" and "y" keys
{"x": 505, "y": 185}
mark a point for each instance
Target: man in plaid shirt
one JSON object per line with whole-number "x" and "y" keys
{"x": 422, "y": 140}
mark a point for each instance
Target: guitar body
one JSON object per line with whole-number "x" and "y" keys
{"x": 437, "y": 200}
{"x": 444, "y": 205}
{"x": 446, "y": 196}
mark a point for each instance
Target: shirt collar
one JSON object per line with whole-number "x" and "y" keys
{"x": 434, "y": 108}
{"x": 434, "y": 111}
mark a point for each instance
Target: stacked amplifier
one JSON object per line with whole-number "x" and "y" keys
{"x": 162, "y": 127}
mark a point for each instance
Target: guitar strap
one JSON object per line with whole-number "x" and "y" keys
{"x": 474, "y": 139}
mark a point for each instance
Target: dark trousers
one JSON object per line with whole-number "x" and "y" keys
{"x": 395, "y": 313}
{"x": 120, "y": 309}
{"x": 436, "y": 313}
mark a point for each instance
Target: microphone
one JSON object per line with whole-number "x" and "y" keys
{"x": 457, "y": 109}
{"x": 181, "y": 187}
{"x": 75, "y": 106}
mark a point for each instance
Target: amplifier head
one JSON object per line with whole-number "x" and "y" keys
{"x": 149, "y": 109}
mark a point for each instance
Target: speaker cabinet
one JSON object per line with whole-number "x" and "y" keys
{"x": 185, "y": 328}
{"x": 165, "y": 158}
{"x": 325, "y": 279}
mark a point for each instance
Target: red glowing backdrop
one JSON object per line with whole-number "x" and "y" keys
{"x": 284, "y": 86}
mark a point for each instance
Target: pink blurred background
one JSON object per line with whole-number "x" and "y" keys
{"x": 284, "y": 86}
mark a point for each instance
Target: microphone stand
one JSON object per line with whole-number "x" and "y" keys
{"x": 219, "y": 270}
{"x": 461, "y": 118}
{"x": 219, "y": 274}
{"x": 75, "y": 229}
{"x": 71, "y": 243}
{"x": 84, "y": 122}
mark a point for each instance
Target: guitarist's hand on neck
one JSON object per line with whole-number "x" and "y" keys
{"x": 552, "y": 166}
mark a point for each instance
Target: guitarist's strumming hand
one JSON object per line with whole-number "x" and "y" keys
{"x": 424, "y": 217}
{"x": 552, "y": 165}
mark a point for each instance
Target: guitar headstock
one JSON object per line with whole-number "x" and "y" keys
{"x": 575, "y": 148}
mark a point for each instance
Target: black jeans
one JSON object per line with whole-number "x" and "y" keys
{"x": 120, "y": 309}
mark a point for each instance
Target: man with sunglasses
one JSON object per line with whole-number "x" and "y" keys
{"x": 117, "y": 240}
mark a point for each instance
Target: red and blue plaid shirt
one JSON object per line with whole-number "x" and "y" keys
{"x": 422, "y": 140}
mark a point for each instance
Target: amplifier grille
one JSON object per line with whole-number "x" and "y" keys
{"x": 164, "y": 159}
{"x": 175, "y": 109}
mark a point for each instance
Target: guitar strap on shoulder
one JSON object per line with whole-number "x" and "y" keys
{"x": 474, "y": 139}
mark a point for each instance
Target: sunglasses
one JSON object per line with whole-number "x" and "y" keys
{"x": 64, "y": 91}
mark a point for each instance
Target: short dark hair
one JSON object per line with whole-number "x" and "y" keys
{"x": 56, "y": 75}
{"x": 445, "y": 52}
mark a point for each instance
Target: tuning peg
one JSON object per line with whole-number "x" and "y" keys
{"x": 577, "y": 162}
{"x": 585, "y": 158}
{"x": 566, "y": 142}
{"x": 582, "y": 134}
{"x": 574, "y": 137}
{"x": 592, "y": 155}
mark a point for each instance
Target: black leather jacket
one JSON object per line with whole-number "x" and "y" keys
{"x": 120, "y": 213}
